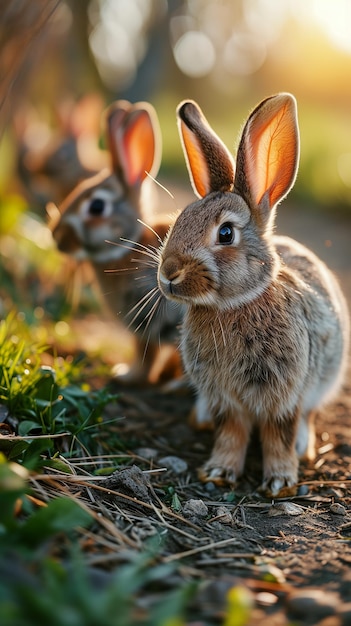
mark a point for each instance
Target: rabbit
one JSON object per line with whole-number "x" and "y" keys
{"x": 51, "y": 161}
{"x": 264, "y": 338}
{"x": 106, "y": 209}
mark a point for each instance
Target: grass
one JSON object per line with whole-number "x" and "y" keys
{"x": 44, "y": 565}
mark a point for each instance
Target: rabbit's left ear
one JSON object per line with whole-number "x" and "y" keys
{"x": 268, "y": 153}
{"x": 134, "y": 141}
{"x": 209, "y": 162}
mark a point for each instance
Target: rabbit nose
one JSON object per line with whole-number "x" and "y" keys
{"x": 171, "y": 273}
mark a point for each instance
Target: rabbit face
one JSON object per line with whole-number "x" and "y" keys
{"x": 105, "y": 209}
{"x": 222, "y": 262}
{"x": 98, "y": 217}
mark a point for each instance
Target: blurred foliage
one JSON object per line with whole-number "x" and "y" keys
{"x": 38, "y": 399}
{"x": 45, "y": 579}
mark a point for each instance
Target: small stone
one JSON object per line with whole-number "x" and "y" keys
{"x": 312, "y": 602}
{"x": 195, "y": 508}
{"x": 224, "y": 515}
{"x": 337, "y": 509}
{"x": 285, "y": 508}
{"x": 266, "y": 598}
{"x": 147, "y": 453}
{"x": 174, "y": 463}
{"x": 131, "y": 481}
{"x": 303, "y": 490}
{"x": 210, "y": 487}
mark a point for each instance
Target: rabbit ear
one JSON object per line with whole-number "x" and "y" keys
{"x": 209, "y": 162}
{"x": 268, "y": 153}
{"x": 134, "y": 141}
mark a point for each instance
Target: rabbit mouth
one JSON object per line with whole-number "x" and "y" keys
{"x": 187, "y": 287}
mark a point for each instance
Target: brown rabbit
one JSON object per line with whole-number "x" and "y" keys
{"x": 101, "y": 222}
{"x": 265, "y": 332}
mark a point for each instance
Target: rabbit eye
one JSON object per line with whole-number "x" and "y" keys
{"x": 226, "y": 234}
{"x": 97, "y": 207}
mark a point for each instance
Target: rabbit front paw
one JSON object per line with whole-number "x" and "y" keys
{"x": 279, "y": 486}
{"x": 220, "y": 476}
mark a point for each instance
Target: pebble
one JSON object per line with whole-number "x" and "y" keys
{"x": 312, "y": 602}
{"x": 174, "y": 463}
{"x": 195, "y": 508}
{"x": 285, "y": 508}
{"x": 210, "y": 487}
{"x": 303, "y": 490}
{"x": 147, "y": 453}
{"x": 266, "y": 598}
{"x": 337, "y": 509}
{"x": 224, "y": 514}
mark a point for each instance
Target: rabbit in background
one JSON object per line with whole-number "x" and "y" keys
{"x": 53, "y": 158}
{"x": 265, "y": 332}
{"x": 101, "y": 221}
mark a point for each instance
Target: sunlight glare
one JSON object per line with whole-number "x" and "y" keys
{"x": 194, "y": 54}
{"x": 334, "y": 19}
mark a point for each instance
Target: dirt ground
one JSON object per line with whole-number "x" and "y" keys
{"x": 292, "y": 557}
{"x": 275, "y": 549}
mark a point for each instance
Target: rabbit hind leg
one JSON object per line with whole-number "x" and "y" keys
{"x": 280, "y": 461}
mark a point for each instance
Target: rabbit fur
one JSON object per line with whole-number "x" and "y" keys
{"x": 100, "y": 222}
{"x": 265, "y": 332}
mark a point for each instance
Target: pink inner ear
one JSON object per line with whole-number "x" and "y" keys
{"x": 272, "y": 154}
{"x": 137, "y": 147}
{"x": 196, "y": 162}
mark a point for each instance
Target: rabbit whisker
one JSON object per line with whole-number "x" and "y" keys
{"x": 146, "y": 348}
{"x": 149, "y": 316}
{"x": 150, "y": 228}
{"x": 144, "y": 279}
{"x": 145, "y": 262}
{"x": 143, "y": 249}
{"x": 144, "y": 301}
{"x": 121, "y": 269}
{"x": 159, "y": 185}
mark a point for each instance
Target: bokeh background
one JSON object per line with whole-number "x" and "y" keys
{"x": 62, "y": 62}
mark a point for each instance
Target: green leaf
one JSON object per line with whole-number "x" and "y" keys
{"x": 12, "y": 448}
{"x": 32, "y": 456}
{"x": 46, "y": 387}
{"x": 58, "y": 465}
{"x": 27, "y": 426}
{"x": 13, "y": 483}
{"x": 61, "y": 515}
{"x": 176, "y": 505}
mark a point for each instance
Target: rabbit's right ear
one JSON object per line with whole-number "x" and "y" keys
{"x": 134, "y": 140}
{"x": 268, "y": 153}
{"x": 210, "y": 164}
